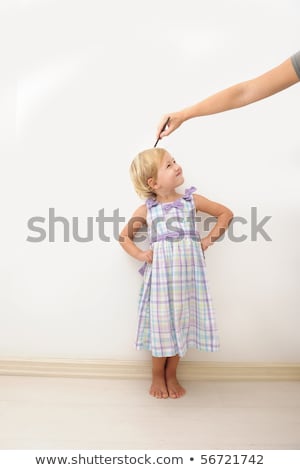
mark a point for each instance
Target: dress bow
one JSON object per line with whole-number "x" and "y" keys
{"x": 151, "y": 202}
{"x": 188, "y": 193}
{"x": 177, "y": 203}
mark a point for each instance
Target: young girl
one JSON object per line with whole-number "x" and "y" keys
{"x": 175, "y": 307}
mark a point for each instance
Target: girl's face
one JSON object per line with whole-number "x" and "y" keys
{"x": 169, "y": 174}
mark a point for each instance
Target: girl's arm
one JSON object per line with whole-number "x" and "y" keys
{"x": 223, "y": 214}
{"x": 126, "y": 236}
{"x": 241, "y": 94}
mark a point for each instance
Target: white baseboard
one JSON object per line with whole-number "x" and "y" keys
{"x": 188, "y": 370}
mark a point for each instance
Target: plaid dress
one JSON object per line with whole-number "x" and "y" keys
{"x": 175, "y": 310}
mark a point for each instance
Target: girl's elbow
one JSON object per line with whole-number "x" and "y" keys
{"x": 230, "y": 216}
{"x": 227, "y": 215}
{"x": 124, "y": 238}
{"x": 121, "y": 238}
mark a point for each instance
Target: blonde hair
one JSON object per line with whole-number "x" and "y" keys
{"x": 144, "y": 166}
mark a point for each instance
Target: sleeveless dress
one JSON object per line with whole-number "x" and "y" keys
{"x": 175, "y": 310}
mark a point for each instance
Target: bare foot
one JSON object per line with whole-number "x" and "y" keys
{"x": 175, "y": 390}
{"x": 158, "y": 388}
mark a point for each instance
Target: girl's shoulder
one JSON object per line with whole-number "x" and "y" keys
{"x": 198, "y": 199}
{"x": 141, "y": 212}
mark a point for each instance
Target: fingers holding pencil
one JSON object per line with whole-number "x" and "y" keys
{"x": 168, "y": 124}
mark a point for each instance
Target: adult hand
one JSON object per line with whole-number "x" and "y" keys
{"x": 176, "y": 119}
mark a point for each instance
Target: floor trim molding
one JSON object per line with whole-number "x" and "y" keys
{"x": 188, "y": 370}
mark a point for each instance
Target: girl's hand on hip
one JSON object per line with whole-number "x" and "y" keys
{"x": 146, "y": 256}
{"x": 205, "y": 243}
{"x": 176, "y": 119}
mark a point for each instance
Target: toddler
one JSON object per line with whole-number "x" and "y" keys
{"x": 175, "y": 310}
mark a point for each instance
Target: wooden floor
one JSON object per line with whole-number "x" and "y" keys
{"x": 60, "y": 413}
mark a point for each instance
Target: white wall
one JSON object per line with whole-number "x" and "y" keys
{"x": 94, "y": 79}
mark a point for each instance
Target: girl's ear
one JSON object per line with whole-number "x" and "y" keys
{"x": 150, "y": 182}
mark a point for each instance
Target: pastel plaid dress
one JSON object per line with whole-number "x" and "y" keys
{"x": 175, "y": 310}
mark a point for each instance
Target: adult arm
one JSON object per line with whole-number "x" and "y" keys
{"x": 236, "y": 96}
